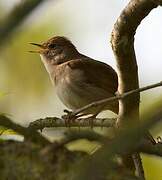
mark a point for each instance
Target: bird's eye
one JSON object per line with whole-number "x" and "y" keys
{"x": 51, "y": 46}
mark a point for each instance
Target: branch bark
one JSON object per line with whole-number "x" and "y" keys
{"x": 123, "y": 47}
{"x": 55, "y": 122}
{"x": 29, "y": 134}
{"x": 150, "y": 149}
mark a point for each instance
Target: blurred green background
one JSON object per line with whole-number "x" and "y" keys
{"x": 26, "y": 93}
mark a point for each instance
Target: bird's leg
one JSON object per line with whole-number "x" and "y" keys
{"x": 93, "y": 117}
{"x": 70, "y": 117}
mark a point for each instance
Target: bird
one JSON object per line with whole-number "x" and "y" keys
{"x": 79, "y": 80}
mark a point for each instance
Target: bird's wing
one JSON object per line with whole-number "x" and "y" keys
{"x": 96, "y": 73}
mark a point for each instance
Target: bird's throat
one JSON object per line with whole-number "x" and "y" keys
{"x": 47, "y": 63}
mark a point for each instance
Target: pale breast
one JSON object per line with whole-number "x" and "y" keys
{"x": 68, "y": 88}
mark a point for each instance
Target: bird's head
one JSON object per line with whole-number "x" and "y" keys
{"x": 56, "y": 50}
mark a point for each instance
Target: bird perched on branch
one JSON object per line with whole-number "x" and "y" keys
{"x": 79, "y": 80}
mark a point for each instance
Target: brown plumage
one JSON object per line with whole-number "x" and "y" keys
{"x": 79, "y": 80}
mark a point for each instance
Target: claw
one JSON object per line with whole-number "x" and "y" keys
{"x": 69, "y": 117}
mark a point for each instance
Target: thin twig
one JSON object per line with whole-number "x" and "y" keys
{"x": 138, "y": 165}
{"x": 107, "y": 100}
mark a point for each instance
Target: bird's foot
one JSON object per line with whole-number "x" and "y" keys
{"x": 69, "y": 117}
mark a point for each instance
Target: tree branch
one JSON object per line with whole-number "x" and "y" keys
{"x": 138, "y": 165}
{"x": 155, "y": 150}
{"x": 125, "y": 142}
{"x": 118, "y": 97}
{"x": 28, "y": 133}
{"x": 50, "y": 122}
{"x": 123, "y": 47}
{"x": 85, "y": 134}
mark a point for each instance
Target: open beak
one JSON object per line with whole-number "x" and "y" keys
{"x": 36, "y": 51}
{"x": 35, "y": 44}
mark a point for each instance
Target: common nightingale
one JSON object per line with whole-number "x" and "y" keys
{"x": 79, "y": 79}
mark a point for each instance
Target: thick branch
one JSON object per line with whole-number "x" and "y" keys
{"x": 55, "y": 122}
{"x": 28, "y": 133}
{"x": 85, "y": 134}
{"x": 123, "y": 48}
